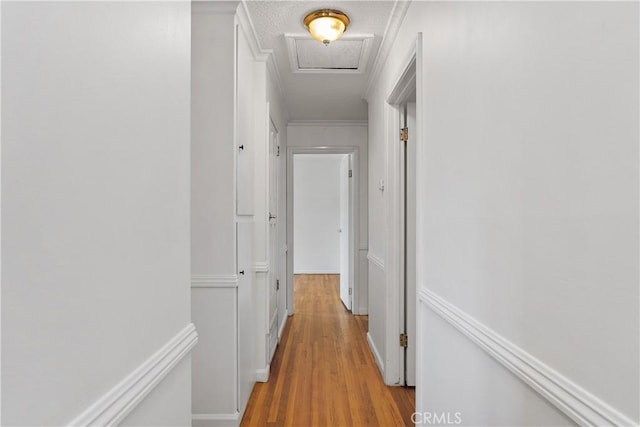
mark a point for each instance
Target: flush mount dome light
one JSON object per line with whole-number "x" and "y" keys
{"x": 326, "y": 25}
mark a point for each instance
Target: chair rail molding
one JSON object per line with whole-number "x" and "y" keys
{"x": 375, "y": 260}
{"x": 214, "y": 281}
{"x": 576, "y": 402}
{"x": 117, "y": 403}
{"x": 261, "y": 267}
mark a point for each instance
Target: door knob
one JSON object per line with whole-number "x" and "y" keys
{"x": 271, "y": 216}
{"x": 242, "y": 272}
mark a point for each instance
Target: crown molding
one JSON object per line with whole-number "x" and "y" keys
{"x": 394, "y": 24}
{"x": 276, "y": 78}
{"x": 246, "y": 23}
{"x": 332, "y": 123}
{"x": 260, "y": 54}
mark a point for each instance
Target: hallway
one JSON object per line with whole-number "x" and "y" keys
{"x": 149, "y": 160}
{"x": 323, "y": 372}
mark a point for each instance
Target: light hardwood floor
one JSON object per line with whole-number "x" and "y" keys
{"x": 323, "y": 373}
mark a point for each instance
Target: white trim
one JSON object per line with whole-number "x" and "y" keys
{"x": 261, "y": 267}
{"x": 246, "y": 23}
{"x": 214, "y": 281}
{"x": 260, "y": 54}
{"x": 273, "y": 320}
{"x": 315, "y": 270}
{"x": 406, "y": 83}
{"x": 363, "y": 60}
{"x": 118, "y": 402}
{"x": 375, "y": 260}
{"x": 396, "y": 17}
{"x": 576, "y": 402}
{"x": 376, "y": 353}
{"x": 216, "y": 420}
{"x": 262, "y": 375}
{"x": 276, "y": 78}
{"x": 332, "y": 123}
{"x": 355, "y": 237}
{"x": 395, "y": 262}
{"x": 283, "y": 324}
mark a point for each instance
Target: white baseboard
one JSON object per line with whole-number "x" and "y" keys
{"x": 319, "y": 270}
{"x": 576, "y": 402}
{"x": 273, "y": 321}
{"x": 262, "y": 375}
{"x": 376, "y": 354}
{"x": 283, "y": 324}
{"x": 216, "y": 420}
{"x": 118, "y": 402}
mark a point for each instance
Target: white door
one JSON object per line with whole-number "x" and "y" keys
{"x": 410, "y": 248}
{"x": 344, "y": 230}
{"x": 246, "y": 315}
{"x": 273, "y": 240}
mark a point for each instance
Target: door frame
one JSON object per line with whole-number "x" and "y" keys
{"x": 273, "y": 252}
{"x": 409, "y": 79}
{"x": 354, "y": 232}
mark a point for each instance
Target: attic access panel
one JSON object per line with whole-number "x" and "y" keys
{"x": 347, "y": 55}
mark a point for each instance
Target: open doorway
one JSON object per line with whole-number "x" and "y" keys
{"x": 404, "y": 139}
{"x": 322, "y": 218}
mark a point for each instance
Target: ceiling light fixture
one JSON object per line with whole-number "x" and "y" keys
{"x": 326, "y": 25}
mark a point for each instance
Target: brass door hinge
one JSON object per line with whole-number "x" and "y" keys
{"x": 404, "y": 134}
{"x": 404, "y": 340}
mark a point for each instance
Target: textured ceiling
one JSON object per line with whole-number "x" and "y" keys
{"x": 317, "y": 95}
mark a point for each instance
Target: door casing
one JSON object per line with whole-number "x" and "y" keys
{"x": 408, "y": 86}
{"x": 354, "y": 235}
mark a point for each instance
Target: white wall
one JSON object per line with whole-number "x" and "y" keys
{"x": 95, "y": 206}
{"x": 528, "y": 214}
{"x": 213, "y": 201}
{"x": 304, "y": 135}
{"x": 316, "y": 213}
{"x": 213, "y": 237}
{"x": 227, "y": 245}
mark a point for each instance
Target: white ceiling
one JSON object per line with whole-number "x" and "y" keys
{"x": 319, "y": 95}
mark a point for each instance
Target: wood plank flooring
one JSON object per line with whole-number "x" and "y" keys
{"x": 323, "y": 373}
